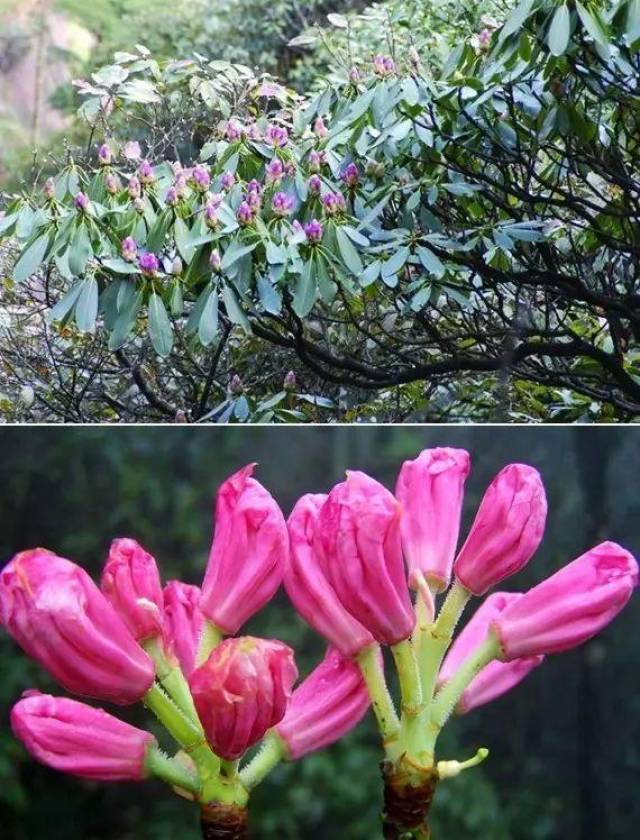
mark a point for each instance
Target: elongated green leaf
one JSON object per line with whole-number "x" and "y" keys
{"x": 348, "y": 253}
{"x": 233, "y": 253}
{"x": 208, "y": 327}
{"x": 234, "y": 310}
{"x": 30, "y": 259}
{"x": 86, "y": 310}
{"x": 559, "y": 31}
{"x": 431, "y": 262}
{"x": 593, "y": 25}
{"x": 160, "y": 329}
{"x": 305, "y": 292}
{"x": 65, "y": 304}
{"x": 517, "y": 18}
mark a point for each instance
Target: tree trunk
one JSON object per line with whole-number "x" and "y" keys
{"x": 224, "y": 822}
{"x": 406, "y": 803}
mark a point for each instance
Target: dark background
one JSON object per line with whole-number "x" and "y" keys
{"x": 565, "y": 746}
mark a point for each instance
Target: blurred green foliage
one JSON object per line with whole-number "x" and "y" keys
{"x": 565, "y": 747}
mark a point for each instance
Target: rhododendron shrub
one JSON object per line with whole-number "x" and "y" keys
{"x": 368, "y": 570}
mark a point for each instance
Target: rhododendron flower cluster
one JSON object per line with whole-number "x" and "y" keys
{"x": 365, "y": 567}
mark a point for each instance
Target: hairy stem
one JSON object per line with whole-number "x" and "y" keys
{"x": 372, "y": 667}
{"x": 271, "y": 753}
{"x": 171, "y": 771}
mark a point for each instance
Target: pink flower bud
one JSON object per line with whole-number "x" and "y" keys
{"x": 330, "y": 702}
{"x": 571, "y": 606}
{"x": 308, "y": 587}
{"x": 358, "y": 543}
{"x": 507, "y": 530}
{"x": 183, "y": 622}
{"x": 78, "y": 739}
{"x": 496, "y": 678}
{"x": 60, "y": 618}
{"x": 131, "y": 583}
{"x": 430, "y": 490}
{"x": 241, "y": 691}
{"x": 249, "y": 550}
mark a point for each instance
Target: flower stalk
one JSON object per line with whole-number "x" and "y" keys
{"x": 370, "y": 662}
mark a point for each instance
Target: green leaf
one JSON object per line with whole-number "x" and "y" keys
{"x": 183, "y": 240}
{"x": 208, "y": 326}
{"x": 559, "y": 31}
{"x": 160, "y": 329}
{"x": 233, "y": 253}
{"x": 269, "y": 296}
{"x": 234, "y": 310}
{"x": 80, "y": 251}
{"x": 30, "y": 259}
{"x": 348, "y": 253}
{"x": 431, "y": 262}
{"x": 305, "y": 292}
{"x": 594, "y": 26}
{"x": 120, "y": 266}
{"x": 86, "y": 310}
{"x": 125, "y": 323}
{"x": 517, "y": 19}
{"x": 395, "y": 263}
{"x": 65, "y": 304}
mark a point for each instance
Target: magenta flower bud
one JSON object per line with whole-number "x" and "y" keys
{"x": 201, "y": 178}
{"x": 282, "y": 204}
{"x": 324, "y": 707}
{"x": 496, "y": 678}
{"x": 146, "y": 174}
{"x": 180, "y": 186}
{"x": 289, "y": 383}
{"x": 227, "y": 180}
{"x": 249, "y": 550}
{"x": 211, "y": 216}
{"x": 274, "y": 171}
{"x": 358, "y": 542}
{"x": 315, "y": 161}
{"x": 430, "y": 490}
{"x": 507, "y": 530}
{"x": 80, "y": 740}
{"x": 215, "y": 260}
{"x": 81, "y": 202}
{"x": 131, "y": 583}
{"x": 216, "y": 199}
{"x": 308, "y": 586}
{"x": 354, "y": 75}
{"x": 172, "y": 197}
{"x": 149, "y": 264}
{"x": 254, "y": 199}
{"x": 60, "y": 618}
{"x": 319, "y": 128}
{"x": 350, "y": 176}
{"x": 139, "y": 205}
{"x": 315, "y": 184}
{"x": 235, "y": 386}
{"x": 183, "y": 622}
{"x": 254, "y": 186}
{"x": 244, "y": 214}
{"x": 129, "y": 249}
{"x": 334, "y": 203}
{"x": 241, "y": 691}
{"x": 233, "y": 130}
{"x": 112, "y": 183}
{"x": 313, "y": 231}
{"x": 571, "y": 606}
{"x": 383, "y": 65}
{"x": 104, "y": 155}
{"x": 134, "y": 187}
{"x": 49, "y": 188}
{"x": 277, "y": 136}
{"x": 253, "y": 132}
{"x": 131, "y": 150}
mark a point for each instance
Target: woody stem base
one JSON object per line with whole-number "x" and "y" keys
{"x": 407, "y": 802}
{"x": 219, "y": 821}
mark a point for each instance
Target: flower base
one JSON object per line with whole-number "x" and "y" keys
{"x": 219, "y": 821}
{"x": 407, "y": 802}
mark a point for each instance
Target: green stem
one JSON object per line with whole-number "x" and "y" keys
{"x": 172, "y": 680}
{"x": 372, "y": 668}
{"x": 171, "y": 771}
{"x": 411, "y": 728}
{"x": 210, "y": 639}
{"x": 446, "y": 699}
{"x": 183, "y": 730}
{"x": 437, "y": 638}
{"x": 272, "y": 752}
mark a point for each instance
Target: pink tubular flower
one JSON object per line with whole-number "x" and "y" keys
{"x": 571, "y": 606}
{"x": 149, "y": 264}
{"x": 81, "y": 202}
{"x": 60, "y": 618}
{"x": 104, "y": 155}
{"x": 333, "y": 203}
{"x": 112, "y": 183}
{"x": 319, "y": 128}
{"x": 313, "y": 231}
{"x": 131, "y": 583}
{"x": 351, "y": 176}
{"x": 315, "y": 184}
{"x": 129, "y": 249}
{"x": 277, "y": 136}
{"x": 241, "y": 691}
{"x": 248, "y": 554}
{"x": 328, "y": 704}
{"x": 430, "y": 490}
{"x": 274, "y": 171}
{"x": 282, "y": 204}
{"x": 201, "y": 178}
{"x": 146, "y": 173}
{"x": 78, "y": 739}
{"x": 383, "y": 65}
{"x": 244, "y": 214}
{"x": 507, "y": 530}
{"x": 358, "y": 543}
{"x": 308, "y": 587}
{"x": 227, "y": 180}
{"x": 496, "y": 678}
{"x": 183, "y": 622}
{"x": 134, "y": 187}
